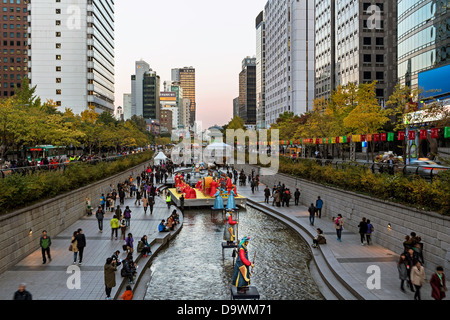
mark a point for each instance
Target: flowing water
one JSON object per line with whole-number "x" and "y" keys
{"x": 192, "y": 266}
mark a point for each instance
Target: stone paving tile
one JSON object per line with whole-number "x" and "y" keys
{"x": 349, "y": 253}
{"x": 49, "y": 281}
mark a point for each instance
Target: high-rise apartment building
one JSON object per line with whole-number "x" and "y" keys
{"x": 137, "y": 96}
{"x": 260, "y": 71}
{"x": 14, "y": 45}
{"x": 145, "y": 92}
{"x": 325, "y": 63}
{"x": 247, "y": 91}
{"x": 186, "y": 78}
{"x": 289, "y": 38}
{"x": 423, "y": 38}
{"x": 71, "y": 53}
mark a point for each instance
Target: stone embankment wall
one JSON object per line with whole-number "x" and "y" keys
{"x": 432, "y": 227}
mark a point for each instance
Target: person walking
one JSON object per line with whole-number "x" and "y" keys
{"x": 277, "y": 198}
{"x": 22, "y": 294}
{"x": 45, "y": 242}
{"x": 151, "y": 203}
{"x": 438, "y": 285}
{"x": 118, "y": 213}
{"x": 418, "y": 279}
{"x": 114, "y": 226}
{"x": 362, "y": 230}
{"x": 319, "y": 206}
{"x": 74, "y": 247}
{"x": 145, "y": 204}
{"x": 402, "y": 267}
{"x": 266, "y": 194}
{"x": 370, "y": 230}
{"x": 127, "y": 216}
{"x": 339, "y": 226}
{"x": 80, "y": 238}
{"x": 123, "y": 229}
{"x": 103, "y": 201}
{"x": 100, "y": 214}
{"x": 121, "y": 196}
{"x": 168, "y": 200}
{"x": 297, "y": 197}
{"x": 109, "y": 269}
{"x": 312, "y": 212}
{"x": 138, "y": 198}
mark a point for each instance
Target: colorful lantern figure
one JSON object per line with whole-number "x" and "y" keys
{"x": 401, "y": 136}
{"x": 435, "y": 133}
{"x": 423, "y": 134}
{"x": 230, "y": 228}
{"x": 242, "y": 273}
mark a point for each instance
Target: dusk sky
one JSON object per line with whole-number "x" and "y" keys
{"x": 211, "y": 36}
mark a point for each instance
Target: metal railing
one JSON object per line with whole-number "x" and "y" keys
{"x": 55, "y": 167}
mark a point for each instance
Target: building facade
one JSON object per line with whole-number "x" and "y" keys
{"x": 289, "y": 76}
{"x": 14, "y": 45}
{"x": 71, "y": 53}
{"x": 260, "y": 71}
{"x": 236, "y": 107}
{"x": 247, "y": 91}
{"x": 127, "y": 106}
{"x": 366, "y": 46}
{"x": 186, "y": 79}
{"x": 325, "y": 63}
{"x": 151, "y": 96}
{"x": 423, "y": 38}
{"x": 166, "y": 120}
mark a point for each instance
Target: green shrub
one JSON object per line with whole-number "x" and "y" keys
{"x": 19, "y": 191}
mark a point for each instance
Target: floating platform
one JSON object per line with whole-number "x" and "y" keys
{"x": 251, "y": 294}
{"x": 202, "y": 200}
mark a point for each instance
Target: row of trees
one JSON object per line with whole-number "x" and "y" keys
{"x": 26, "y": 122}
{"x": 355, "y": 110}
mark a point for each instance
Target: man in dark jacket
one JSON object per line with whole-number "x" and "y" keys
{"x": 100, "y": 214}
{"x": 266, "y": 194}
{"x": 297, "y": 196}
{"x": 81, "y": 244}
{"x": 312, "y": 212}
{"x": 45, "y": 242}
{"x": 22, "y": 294}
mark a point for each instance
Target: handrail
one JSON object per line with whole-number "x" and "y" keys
{"x": 56, "y": 166}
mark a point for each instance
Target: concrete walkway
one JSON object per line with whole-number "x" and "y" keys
{"x": 49, "y": 281}
{"x": 343, "y": 265}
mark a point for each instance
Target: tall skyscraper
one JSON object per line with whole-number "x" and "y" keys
{"x": 289, "y": 72}
{"x": 137, "y": 96}
{"x": 325, "y": 63}
{"x": 260, "y": 72}
{"x": 71, "y": 53}
{"x": 127, "y": 106}
{"x": 236, "y": 107}
{"x": 14, "y": 45}
{"x": 186, "y": 78}
{"x": 367, "y": 51}
{"x": 423, "y": 38}
{"x": 247, "y": 91}
{"x": 151, "y": 96}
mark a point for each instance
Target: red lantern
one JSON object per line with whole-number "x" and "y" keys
{"x": 363, "y": 138}
{"x": 317, "y": 141}
{"x": 401, "y": 136}
{"x": 423, "y": 134}
{"x": 376, "y": 137}
{"x": 412, "y": 135}
{"x": 383, "y": 137}
{"x": 435, "y": 133}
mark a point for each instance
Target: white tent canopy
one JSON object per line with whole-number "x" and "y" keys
{"x": 215, "y": 152}
{"x": 160, "y": 157}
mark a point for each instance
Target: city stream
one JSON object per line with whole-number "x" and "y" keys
{"x": 192, "y": 267}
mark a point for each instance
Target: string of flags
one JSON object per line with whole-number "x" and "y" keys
{"x": 377, "y": 137}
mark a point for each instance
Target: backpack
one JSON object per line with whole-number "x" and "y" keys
{"x": 127, "y": 214}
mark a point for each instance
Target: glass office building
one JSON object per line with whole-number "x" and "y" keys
{"x": 423, "y": 38}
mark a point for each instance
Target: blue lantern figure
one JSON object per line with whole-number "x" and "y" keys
{"x": 218, "y": 204}
{"x": 231, "y": 202}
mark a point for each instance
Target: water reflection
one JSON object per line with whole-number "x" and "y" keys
{"x": 192, "y": 266}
